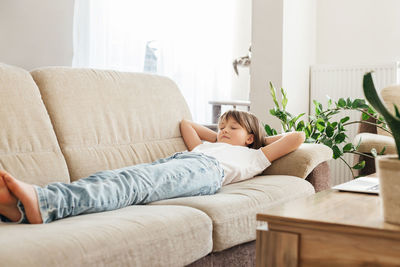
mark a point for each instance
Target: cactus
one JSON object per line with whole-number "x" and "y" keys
{"x": 392, "y": 120}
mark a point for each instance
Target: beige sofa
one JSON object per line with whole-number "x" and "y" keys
{"x": 61, "y": 124}
{"x": 369, "y": 136}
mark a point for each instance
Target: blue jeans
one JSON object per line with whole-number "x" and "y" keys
{"x": 181, "y": 175}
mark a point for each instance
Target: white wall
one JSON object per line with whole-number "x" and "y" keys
{"x": 36, "y": 33}
{"x": 299, "y": 41}
{"x": 283, "y": 37}
{"x": 358, "y": 31}
{"x": 267, "y": 51}
{"x": 288, "y": 36}
{"x": 241, "y": 43}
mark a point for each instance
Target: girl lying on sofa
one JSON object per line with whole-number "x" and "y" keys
{"x": 237, "y": 152}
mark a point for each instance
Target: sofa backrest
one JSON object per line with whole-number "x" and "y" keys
{"x": 107, "y": 119}
{"x": 390, "y": 95}
{"x": 28, "y": 145}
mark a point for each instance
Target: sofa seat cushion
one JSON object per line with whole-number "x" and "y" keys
{"x": 233, "y": 209}
{"x": 133, "y": 236}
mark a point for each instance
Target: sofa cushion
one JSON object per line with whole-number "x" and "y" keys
{"x": 108, "y": 119}
{"x": 369, "y": 141}
{"x": 28, "y": 144}
{"x": 390, "y": 95}
{"x": 133, "y": 236}
{"x": 300, "y": 162}
{"x": 233, "y": 209}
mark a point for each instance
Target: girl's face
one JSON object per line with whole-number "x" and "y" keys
{"x": 231, "y": 132}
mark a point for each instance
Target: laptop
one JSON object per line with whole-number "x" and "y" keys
{"x": 368, "y": 185}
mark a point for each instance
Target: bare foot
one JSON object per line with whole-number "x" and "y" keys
{"x": 26, "y": 193}
{"x": 8, "y": 203}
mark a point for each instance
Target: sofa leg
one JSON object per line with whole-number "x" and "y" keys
{"x": 369, "y": 165}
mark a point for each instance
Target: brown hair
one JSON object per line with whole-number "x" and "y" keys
{"x": 249, "y": 122}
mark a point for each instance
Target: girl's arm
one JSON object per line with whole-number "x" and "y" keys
{"x": 283, "y": 145}
{"x": 193, "y": 133}
{"x": 270, "y": 139}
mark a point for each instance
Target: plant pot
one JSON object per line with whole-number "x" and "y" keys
{"x": 388, "y": 168}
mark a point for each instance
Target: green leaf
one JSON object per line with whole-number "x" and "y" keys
{"x": 290, "y": 125}
{"x": 365, "y": 116}
{"x": 349, "y": 104}
{"x": 284, "y": 98}
{"x": 358, "y": 144}
{"x": 292, "y": 122}
{"x": 397, "y": 111}
{"x": 341, "y": 103}
{"x": 329, "y": 131}
{"x": 336, "y": 152}
{"x": 273, "y": 94}
{"x": 343, "y": 120}
{"x": 285, "y": 127}
{"x": 281, "y": 115}
{"x": 307, "y": 130}
{"x": 328, "y": 142}
{"x": 317, "y": 107}
{"x": 268, "y": 130}
{"x": 375, "y": 100}
{"x": 300, "y": 115}
{"x": 339, "y": 138}
{"x": 383, "y": 151}
{"x": 371, "y": 110}
{"x": 373, "y": 152}
{"x": 300, "y": 126}
{"x": 320, "y": 124}
{"x": 359, "y": 103}
{"x": 288, "y": 114}
{"x": 359, "y": 165}
{"x": 341, "y": 127}
{"x": 316, "y": 136}
{"x": 347, "y": 147}
{"x": 329, "y": 102}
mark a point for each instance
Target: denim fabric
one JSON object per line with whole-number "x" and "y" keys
{"x": 183, "y": 174}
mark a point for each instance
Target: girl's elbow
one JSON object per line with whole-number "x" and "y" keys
{"x": 298, "y": 138}
{"x": 302, "y": 137}
{"x": 184, "y": 122}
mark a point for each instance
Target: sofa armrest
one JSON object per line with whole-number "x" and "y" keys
{"x": 369, "y": 141}
{"x": 300, "y": 162}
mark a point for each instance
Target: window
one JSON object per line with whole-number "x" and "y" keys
{"x": 191, "y": 42}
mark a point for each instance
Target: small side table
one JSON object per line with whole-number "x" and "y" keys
{"x": 330, "y": 228}
{"x": 216, "y": 107}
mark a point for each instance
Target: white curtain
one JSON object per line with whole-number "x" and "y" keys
{"x": 189, "y": 41}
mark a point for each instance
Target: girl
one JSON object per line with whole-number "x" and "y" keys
{"x": 237, "y": 152}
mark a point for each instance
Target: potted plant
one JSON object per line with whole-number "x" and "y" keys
{"x": 388, "y": 167}
{"x": 328, "y": 125}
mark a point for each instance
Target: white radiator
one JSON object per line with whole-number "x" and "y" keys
{"x": 338, "y": 81}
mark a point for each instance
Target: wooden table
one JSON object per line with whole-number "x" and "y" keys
{"x": 330, "y": 228}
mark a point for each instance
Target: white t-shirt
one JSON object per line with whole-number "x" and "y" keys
{"x": 238, "y": 162}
